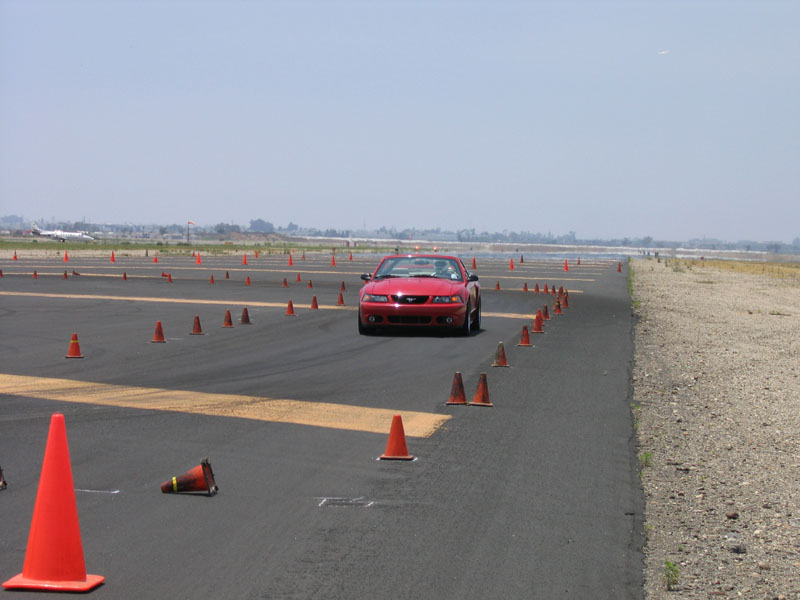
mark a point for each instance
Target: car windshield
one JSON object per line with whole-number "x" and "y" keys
{"x": 420, "y": 266}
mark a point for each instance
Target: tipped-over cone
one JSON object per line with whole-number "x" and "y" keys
{"x": 457, "y": 395}
{"x": 74, "y": 348}
{"x": 54, "y": 556}
{"x": 196, "y": 329}
{"x": 169, "y": 277}
{"x": 197, "y": 479}
{"x": 245, "y": 320}
{"x": 228, "y": 322}
{"x": 500, "y": 356}
{"x": 481, "y": 397}
{"x": 74, "y": 272}
{"x": 525, "y": 340}
{"x": 396, "y": 448}
{"x": 158, "y": 335}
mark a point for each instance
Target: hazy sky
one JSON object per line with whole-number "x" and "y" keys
{"x": 612, "y": 119}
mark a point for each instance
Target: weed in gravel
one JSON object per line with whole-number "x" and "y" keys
{"x": 672, "y": 573}
{"x": 646, "y": 459}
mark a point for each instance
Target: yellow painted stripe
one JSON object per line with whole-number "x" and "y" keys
{"x": 315, "y": 414}
{"x": 248, "y": 303}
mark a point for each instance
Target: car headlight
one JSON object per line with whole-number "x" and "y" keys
{"x": 375, "y": 298}
{"x": 455, "y": 299}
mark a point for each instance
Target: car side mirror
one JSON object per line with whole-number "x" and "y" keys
{"x": 366, "y": 276}
{"x": 472, "y": 277}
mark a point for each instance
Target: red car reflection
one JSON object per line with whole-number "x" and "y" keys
{"x": 420, "y": 290}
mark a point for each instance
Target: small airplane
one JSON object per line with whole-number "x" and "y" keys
{"x": 62, "y": 236}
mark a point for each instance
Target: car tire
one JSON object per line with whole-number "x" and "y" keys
{"x": 466, "y": 328}
{"x": 477, "y": 324}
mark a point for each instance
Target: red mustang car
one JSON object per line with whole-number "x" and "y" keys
{"x": 420, "y": 290}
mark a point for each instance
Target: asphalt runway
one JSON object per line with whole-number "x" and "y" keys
{"x": 537, "y": 497}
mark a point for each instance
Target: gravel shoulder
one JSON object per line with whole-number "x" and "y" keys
{"x": 717, "y": 410}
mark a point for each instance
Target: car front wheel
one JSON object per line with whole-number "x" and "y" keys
{"x": 466, "y": 328}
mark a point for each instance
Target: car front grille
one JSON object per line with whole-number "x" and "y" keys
{"x": 410, "y": 299}
{"x": 409, "y": 320}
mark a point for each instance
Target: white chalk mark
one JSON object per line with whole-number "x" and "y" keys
{"x": 98, "y": 491}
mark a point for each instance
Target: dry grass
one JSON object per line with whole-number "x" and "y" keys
{"x": 777, "y": 270}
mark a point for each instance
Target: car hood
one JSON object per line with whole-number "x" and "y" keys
{"x": 414, "y": 286}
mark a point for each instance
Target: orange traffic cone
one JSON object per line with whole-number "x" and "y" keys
{"x": 566, "y": 265}
{"x": 525, "y": 287}
{"x": 342, "y": 288}
{"x": 158, "y": 335}
{"x": 481, "y": 397}
{"x": 113, "y": 258}
{"x": 74, "y": 272}
{"x": 227, "y": 322}
{"x": 1, "y": 273}
{"x": 255, "y": 254}
{"x": 124, "y": 276}
{"x": 546, "y": 290}
{"x": 500, "y": 356}
{"x": 290, "y": 310}
{"x": 396, "y": 448}
{"x": 298, "y": 280}
{"x": 155, "y": 259}
{"x": 193, "y": 254}
{"x": 244, "y": 258}
{"x": 521, "y": 259}
{"x": 211, "y": 280}
{"x": 284, "y": 284}
{"x": 351, "y": 257}
{"x": 15, "y": 255}
{"x": 310, "y": 285}
{"x": 525, "y": 340}
{"x": 333, "y": 261}
{"x": 340, "y": 300}
{"x": 245, "y": 320}
{"x": 247, "y": 281}
{"x": 66, "y": 256}
{"x": 35, "y": 274}
{"x": 169, "y": 277}
{"x": 54, "y": 557}
{"x": 557, "y": 307}
{"x": 303, "y": 256}
{"x": 196, "y": 329}
{"x": 457, "y": 395}
{"x": 553, "y": 290}
{"x": 227, "y": 275}
{"x": 511, "y": 265}
{"x": 291, "y": 262}
{"x": 565, "y": 303}
{"x": 65, "y": 276}
{"x": 579, "y": 261}
{"x": 545, "y": 313}
{"x": 474, "y": 264}
{"x": 497, "y": 287}
{"x": 198, "y": 479}
{"x": 74, "y": 348}
{"x": 561, "y": 290}
{"x": 314, "y": 305}
{"x": 538, "y": 321}
{"x": 198, "y": 261}
{"x": 619, "y": 267}
{"x": 536, "y": 289}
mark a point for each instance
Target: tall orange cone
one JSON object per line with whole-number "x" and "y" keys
{"x": 158, "y": 334}
{"x": 525, "y": 287}
{"x": 557, "y": 307}
{"x": 245, "y": 320}
{"x": 457, "y": 395}
{"x": 35, "y": 274}
{"x": 227, "y": 275}
{"x": 474, "y": 264}
{"x": 546, "y": 290}
{"x": 199, "y": 260}
{"x": 255, "y": 254}
{"x": 211, "y": 280}
{"x": 342, "y": 288}
{"x": 66, "y": 256}
{"x": 303, "y": 256}
{"x": 247, "y": 281}
{"x": 521, "y": 259}
{"x": 15, "y": 255}
{"x": 227, "y": 322}
{"x": 333, "y": 261}
{"x": 553, "y": 290}
{"x": 536, "y": 288}
{"x": 396, "y": 448}
{"x": 196, "y": 329}
{"x": 124, "y": 276}
{"x": 290, "y": 310}
{"x": 351, "y": 257}
{"x": 579, "y": 261}
{"x": 497, "y": 287}
{"x": 619, "y": 267}
{"x": 481, "y": 397}
{"x": 314, "y": 305}
{"x": 545, "y": 313}
{"x": 500, "y": 356}
{"x": 566, "y": 265}
{"x": 340, "y": 300}
{"x": 54, "y": 557}
{"x": 74, "y": 348}
{"x": 244, "y": 258}
{"x": 284, "y": 284}
{"x": 1, "y": 273}
{"x": 298, "y": 280}
{"x": 198, "y": 479}
{"x": 538, "y": 321}
{"x": 65, "y": 276}
{"x": 291, "y": 262}
{"x": 310, "y": 284}
{"x": 113, "y": 258}
{"x": 565, "y": 303}
{"x": 525, "y": 340}
{"x": 155, "y": 259}
{"x": 511, "y": 265}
